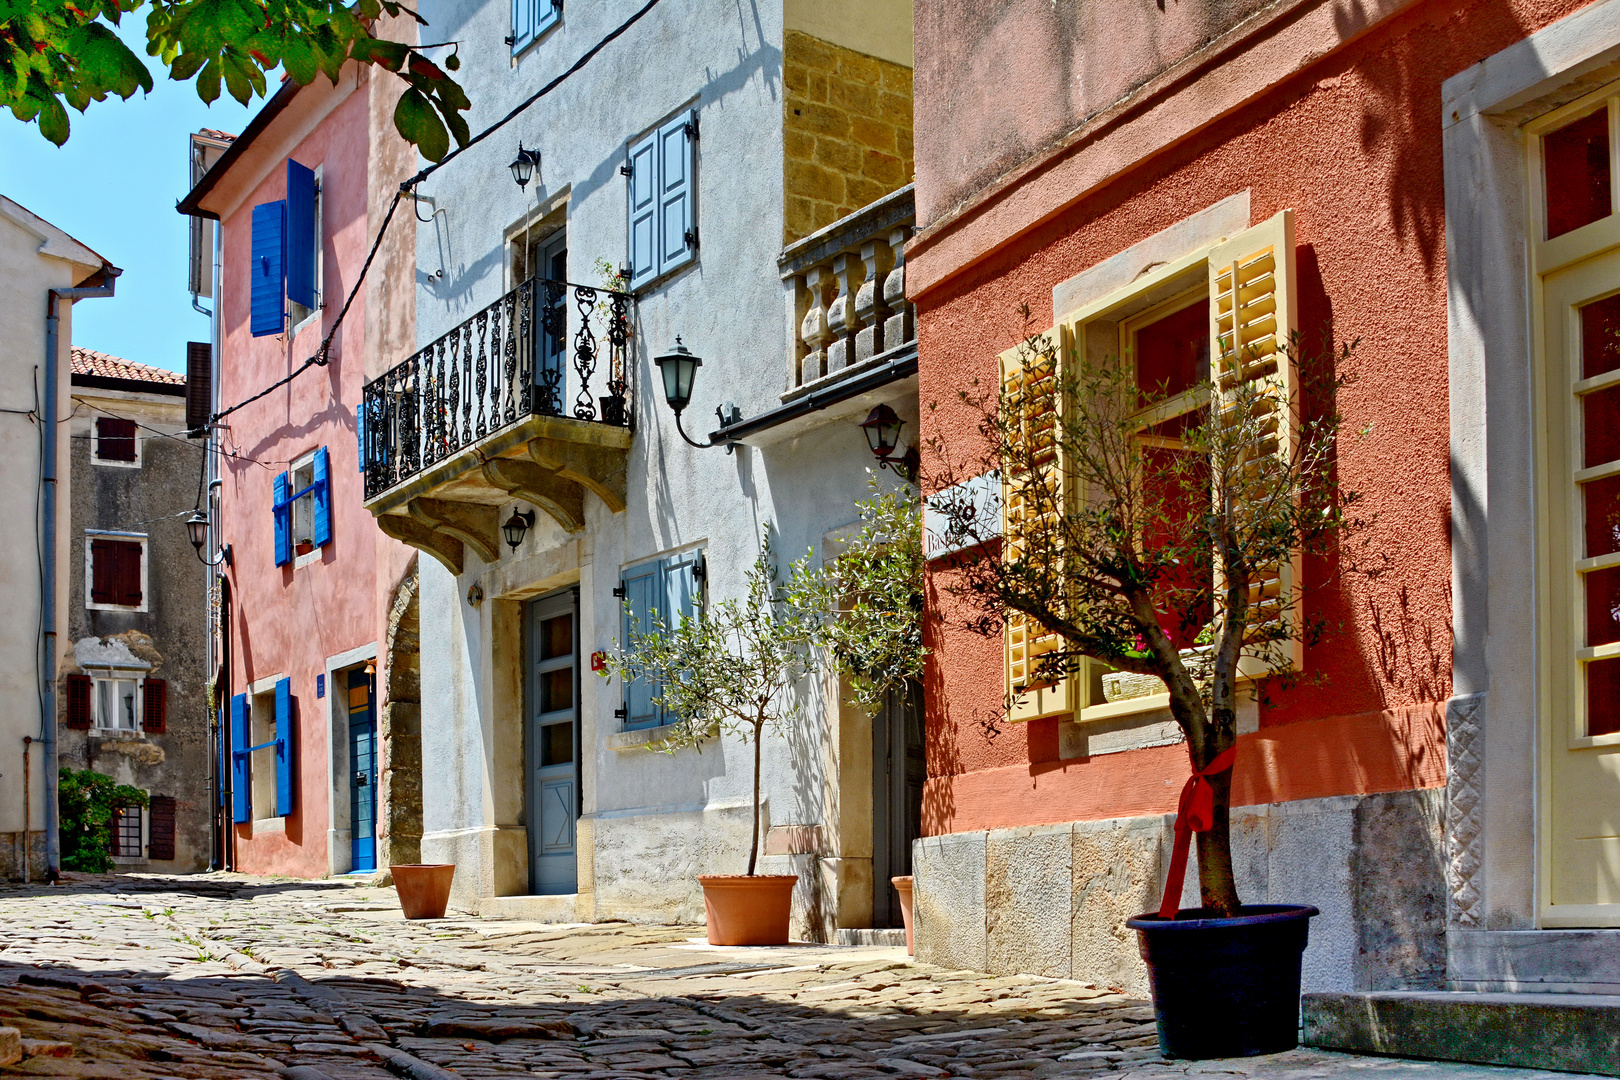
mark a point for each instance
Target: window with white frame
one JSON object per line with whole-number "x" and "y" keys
{"x": 116, "y": 442}
{"x": 115, "y": 571}
{"x": 116, "y": 699}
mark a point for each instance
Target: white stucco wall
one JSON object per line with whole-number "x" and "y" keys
{"x": 652, "y": 821}
{"x": 34, "y": 258}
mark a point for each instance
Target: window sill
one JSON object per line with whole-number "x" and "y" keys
{"x": 131, "y": 734}
{"x": 113, "y": 463}
{"x": 1109, "y": 710}
{"x": 648, "y": 738}
{"x": 263, "y": 826}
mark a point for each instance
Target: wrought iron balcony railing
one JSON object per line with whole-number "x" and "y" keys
{"x": 524, "y": 355}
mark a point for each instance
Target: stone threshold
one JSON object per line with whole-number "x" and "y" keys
{"x": 1568, "y": 1032}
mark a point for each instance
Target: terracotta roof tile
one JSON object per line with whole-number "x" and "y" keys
{"x": 90, "y": 362}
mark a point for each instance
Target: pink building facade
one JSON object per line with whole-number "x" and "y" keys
{"x": 313, "y": 609}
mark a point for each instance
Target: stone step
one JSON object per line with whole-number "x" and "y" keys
{"x": 849, "y": 936}
{"x": 1568, "y": 1032}
{"x": 543, "y": 909}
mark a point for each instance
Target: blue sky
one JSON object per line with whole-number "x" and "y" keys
{"x": 113, "y": 186}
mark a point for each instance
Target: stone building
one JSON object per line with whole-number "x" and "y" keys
{"x": 751, "y": 177}
{"x": 1435, "y": 179}
{"x": 134, "y": 696}
{"x": 313, "y": 649}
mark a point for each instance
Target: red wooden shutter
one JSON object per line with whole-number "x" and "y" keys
{"x": 115, "y": 439}
{"x": 160, "y": 829}
{"x": 103, "y": 570}
{"x": 79, "y": 717}
{"x": 128, "y": 583}
{"x": 154, "y": 705}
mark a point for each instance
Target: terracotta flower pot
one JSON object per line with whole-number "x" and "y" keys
{"x": 424, "y": 888}
{"x": 902, "y": 886}
{"x": 747, "y": 910}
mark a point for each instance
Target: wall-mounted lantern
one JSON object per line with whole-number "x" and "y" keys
{"x": 516, "y": 527}
{"x": 523, "y": 166}
{"x": 882, "y": 426}
{"x": 197, "y": 533}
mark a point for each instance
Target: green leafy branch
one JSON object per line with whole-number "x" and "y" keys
{"x": 60, "y": 53}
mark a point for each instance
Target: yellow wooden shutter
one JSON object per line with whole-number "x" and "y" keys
{"x": 1253, "y": 311}
{"x": 1032, "y": 387}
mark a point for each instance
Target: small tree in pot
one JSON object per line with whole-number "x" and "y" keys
{"x": 1161, "y": 535}
{"x": 730, "y": 670}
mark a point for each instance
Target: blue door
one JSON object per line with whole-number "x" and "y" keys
{"x": 552, "y": 736}
{"x": 362, "y": 771}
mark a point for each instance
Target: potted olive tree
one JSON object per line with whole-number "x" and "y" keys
{"x": 730, "y": 670}
{"x": 1170, "y": 550}
{"x": 863, "y": 609}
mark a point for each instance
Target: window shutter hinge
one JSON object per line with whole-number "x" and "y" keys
{"x": 510, "y": 39}
{"x": 690, "y": 127}
{"x": 626, "y": 170}
{"x": 621, "y": 714}
{"x": 700, "y": 569}
{"x": 620, "y": 593}
{"x": 690, "y": 235}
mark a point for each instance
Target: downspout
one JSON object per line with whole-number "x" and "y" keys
{"x": 220, "y": 817}
{"x": 108, "y": 275}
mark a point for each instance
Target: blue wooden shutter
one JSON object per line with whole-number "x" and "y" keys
{"x": 282, "y": 510}
{"x": 677, "y": 236}
{"x": 284, "y": 748}
{"x": 643, "y": 188}
{"x": 681, "y": 590}
{"x": 267, "y": 308}
{"x": 323, "y": 498}
{"x": 641, "y": 586}
{"x": 241, "y": 764}
{"x": 522, "y": 23}
{"x": 301, "y": 239}
{"x": 360, "y": 433}
{"x": 546, "y": 14}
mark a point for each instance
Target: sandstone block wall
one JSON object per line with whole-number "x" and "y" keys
{"x": 846, "y": 132}
{"x": 1053, "y": 900}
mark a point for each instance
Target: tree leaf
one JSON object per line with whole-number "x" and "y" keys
{"x": 416, "y": 120}
{"x": 53, "y": 120}
{"x": 208, "y": 81}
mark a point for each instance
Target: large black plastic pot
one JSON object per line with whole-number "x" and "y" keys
{"x": 1226, "y": 987}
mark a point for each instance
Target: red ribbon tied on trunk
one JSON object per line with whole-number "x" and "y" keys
{"x": 1195, "y": 814}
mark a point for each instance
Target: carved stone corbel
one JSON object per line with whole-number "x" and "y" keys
{"x": 562, "y": 499}
{"x": 600, "y": 469}
{"x": 471, "y": 523}
{"x": 446, "y": 549}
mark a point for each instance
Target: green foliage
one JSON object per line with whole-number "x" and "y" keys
{"x": 864, "y": 607}
{"x": 729, "y": 670}
{"x": 58, "y": 53}
{"x": 1150, "y": 530}
{"x": 86, "y": 801}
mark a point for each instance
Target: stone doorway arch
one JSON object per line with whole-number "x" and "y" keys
{"x": 399, "y": 810}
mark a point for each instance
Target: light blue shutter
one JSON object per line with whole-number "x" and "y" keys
{"x": 677, "y": 238}
{"x": 360, "y": 434}
{"x": 301, "y": 238}
{"x": 641, "y": 586}
{"x": 282, "y": 510}
{"x": 241, "y": 775}
{"x": 682, "y": 598}
{"x": 522, "y": 23}
{"x": 323, "y": 498}
{"x": 266, "y": 306}
{"x": 284, "y": 748}
{"x": 546, "y": 14}
{"x": 643, "y": 188}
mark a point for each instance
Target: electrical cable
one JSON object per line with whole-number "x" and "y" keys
{"x": 322, "y": 354}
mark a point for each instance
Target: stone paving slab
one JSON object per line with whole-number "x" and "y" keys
{"x": 223, "y": 975}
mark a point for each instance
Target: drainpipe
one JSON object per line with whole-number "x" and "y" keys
{"x": 108, "y": 276}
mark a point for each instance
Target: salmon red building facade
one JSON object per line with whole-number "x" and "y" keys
{"x": 1413, "y": 175}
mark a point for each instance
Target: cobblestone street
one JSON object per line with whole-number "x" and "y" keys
{"x": 226, "y": 976}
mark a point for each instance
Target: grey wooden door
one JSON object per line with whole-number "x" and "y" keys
{"x": 898, "y": 771}
{"x": 551, "y": 742}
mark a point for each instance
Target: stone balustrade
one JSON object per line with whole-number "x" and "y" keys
{"x": 846, "y": 292}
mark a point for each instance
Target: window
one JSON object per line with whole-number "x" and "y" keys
{"x": 660, "y": 591}
{"x": 262, "y": 734}
{"x": 530, "y": 20}
{"x": 115, "y": 568}
{"x": 662, "y": 194}
{"x": 285, "y": 253}
{"x": 126, "y": 832}
{"x": 115, "y": 442}
{"x": 1235, "y": 298}
{"x": 302, "y": 509}
{"x": 117, "y": 704}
